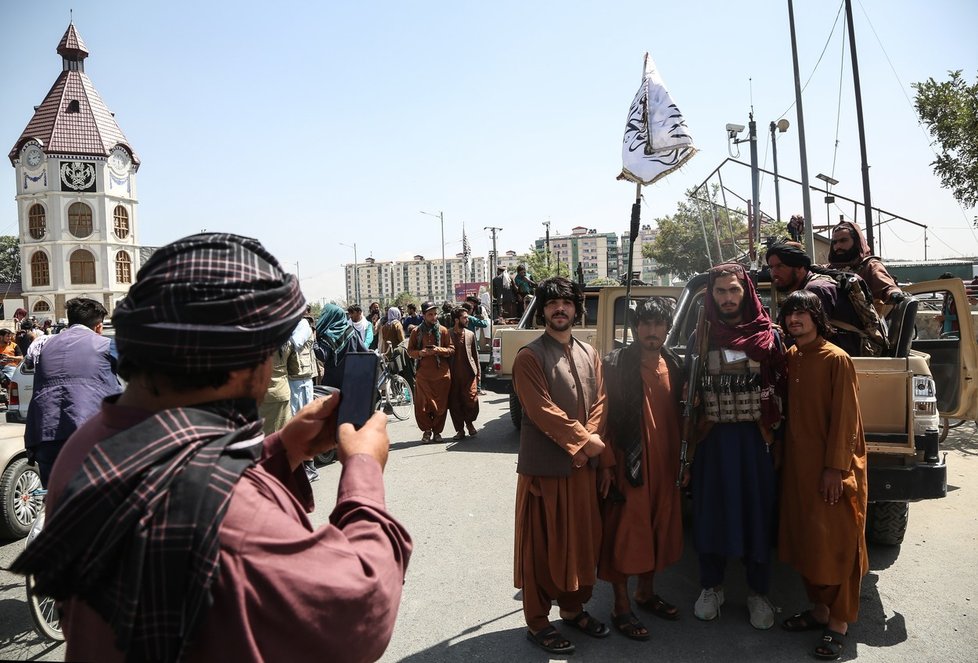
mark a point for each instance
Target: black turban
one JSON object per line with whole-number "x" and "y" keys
{"x": 206, "y": 303}
{"x": 790, "y": 254}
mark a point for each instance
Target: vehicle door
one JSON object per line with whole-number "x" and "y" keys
{"x": 945, "y": 330}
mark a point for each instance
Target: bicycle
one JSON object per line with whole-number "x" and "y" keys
{"x": 44, "y": 610}
{"x": 395, "y": 394}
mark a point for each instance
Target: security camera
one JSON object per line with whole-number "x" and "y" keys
{"x": 734, "y": 129}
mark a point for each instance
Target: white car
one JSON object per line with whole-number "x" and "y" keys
{"x": 18, "y": 482}
{"x": 19, "y": 393}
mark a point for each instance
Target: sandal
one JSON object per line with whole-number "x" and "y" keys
{"x": 628, "y": 625}
{"x": 459, "y": 435}
{"x": 803, "y": 621}
{"x": 426, "y": 437}
{"x": 588, "y": 625}
{"x": 551, "y": 641}
{"x": 659, "y": 608}
{"x": 830, "y": 647}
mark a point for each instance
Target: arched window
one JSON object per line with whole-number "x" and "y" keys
{"x": 42, "y": 307}
{"x": 80, "y": 220}
{"x": 40, "y": 270}
{"x": 82, "y": 264}
{"x": 36, "y": 221}
{"x": 121, "y": 218}
{"x": 123, "y": 267}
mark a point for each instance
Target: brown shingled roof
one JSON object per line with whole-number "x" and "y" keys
{"x": 85, "y": 128}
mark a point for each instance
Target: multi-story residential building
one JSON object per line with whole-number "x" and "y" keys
{"x": 644, "y": 266}
{"x": 382, "y": 281}
{"x": 597, "y": 253}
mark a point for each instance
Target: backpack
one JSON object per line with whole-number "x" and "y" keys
{"x": 872, "y": 330}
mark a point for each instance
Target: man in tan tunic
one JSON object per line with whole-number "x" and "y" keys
{"x": 559, "y": 382}
{"x": 642, "y": 519}
{"x": 823, "y": 480}
{"x": 431, "y": 345}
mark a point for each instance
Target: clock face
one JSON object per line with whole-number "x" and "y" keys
{"x": 119, "y": 160}
{"x": 33, "y": 156}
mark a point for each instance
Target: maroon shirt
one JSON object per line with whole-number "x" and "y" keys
{"x": 284, "y": 590}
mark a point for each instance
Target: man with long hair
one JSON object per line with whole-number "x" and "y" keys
{"x": 734, "y": 481}
{"x": 560, "y": 385}
{"x": 823, "y": 477}
{"x": 850, "y": 252}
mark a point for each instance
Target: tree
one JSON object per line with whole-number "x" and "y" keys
{"x": 679, "y": 247}
{"x": 604, "y": 280}
{"x": 405, "y": 298}
{"x": 536, "y": 265}
{"x": 9, "y": 258}
{"x": 949, "y": 109}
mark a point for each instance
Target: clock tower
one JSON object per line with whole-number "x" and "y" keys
{"x": 76, "y": 195}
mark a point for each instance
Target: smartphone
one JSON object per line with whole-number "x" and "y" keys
{"x": 358, "y": 390}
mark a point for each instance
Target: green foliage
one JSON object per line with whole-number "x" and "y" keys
{"x": 536, "y": 265}
{"x": 679, "y": 247}
{"x": 9, "y": 258}
{"x": 603, "y": 280}
{"x": 949, "y": 109}
{"x": 405, "y": 298}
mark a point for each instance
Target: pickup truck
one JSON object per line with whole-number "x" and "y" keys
{"x": 903, "y": 397}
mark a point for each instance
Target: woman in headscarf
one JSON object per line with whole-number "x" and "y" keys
{"x": 335, "y": 337}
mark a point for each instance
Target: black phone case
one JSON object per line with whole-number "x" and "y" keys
{"x": 358, "y": 391}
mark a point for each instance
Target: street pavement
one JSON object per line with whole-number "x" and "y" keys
{"x": 459, "y": 604}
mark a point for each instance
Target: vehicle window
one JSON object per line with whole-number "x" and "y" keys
{"x": 621, "y": 303}
{"x": 936, "y": 332}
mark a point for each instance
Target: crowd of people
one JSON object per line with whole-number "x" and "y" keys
{"x": 600, "y": 465}
{"x": 202, "y": 461}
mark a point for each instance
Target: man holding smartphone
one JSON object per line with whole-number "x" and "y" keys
{"x": 431, "y": 345}
{"x": 210, "y": 555}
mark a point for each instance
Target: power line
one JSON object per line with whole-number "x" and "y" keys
{"x": 815, "y": 68}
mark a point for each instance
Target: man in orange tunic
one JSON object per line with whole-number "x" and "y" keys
{"x": 431, "y": 345}
{"x": 823, "y": 480}
{"x": 559, "y": 382}
{"x": 642, "y": 519}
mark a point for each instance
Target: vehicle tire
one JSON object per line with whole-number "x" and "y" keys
{"x": 44, "y": 612}
{"x": 327, "y": 458}
{"x": 886, "y": 522}
{"x": 20, "y": 507}
{"x": 515, "y": 409}
{"x": 399, "y": 397}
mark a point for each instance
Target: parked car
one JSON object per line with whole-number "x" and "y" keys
{"x": 18, "y": 481}
{"x": 19, "y": 393}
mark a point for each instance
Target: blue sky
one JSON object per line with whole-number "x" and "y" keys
{"x": 313, "y": 125}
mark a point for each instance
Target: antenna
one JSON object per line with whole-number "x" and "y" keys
{"x": 750, "y": 93}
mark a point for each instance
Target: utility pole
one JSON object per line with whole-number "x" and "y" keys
{"x": 493, "y": 261}
{"x": 802, "y": 150}
{"x": 867, "y": 202}
{"x": 547, "y": 224}
{"x": 755, "y": 180}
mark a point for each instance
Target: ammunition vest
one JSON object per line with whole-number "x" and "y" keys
{"x": 730, "y": 388}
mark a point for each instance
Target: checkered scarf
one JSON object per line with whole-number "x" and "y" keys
{"x": 135, "y": 534}
{"x": 206, "y": 303}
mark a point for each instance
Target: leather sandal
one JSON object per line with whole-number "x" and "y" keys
{"x": 629, "y": 626}
{"x": 588, "y": 625}
{"x": 551, "y": 641}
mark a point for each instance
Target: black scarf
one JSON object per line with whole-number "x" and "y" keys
{"x": 135, "y": 534}
{"x": 623, "y": 372}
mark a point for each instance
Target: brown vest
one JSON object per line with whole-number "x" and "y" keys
{"x": 539, "y": 456}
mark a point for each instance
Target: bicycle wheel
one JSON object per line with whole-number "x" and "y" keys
{"x": 44, "y": 613}
{"x": 399, "y": 397}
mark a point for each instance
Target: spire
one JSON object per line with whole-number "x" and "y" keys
{"x": 72, "y": 50}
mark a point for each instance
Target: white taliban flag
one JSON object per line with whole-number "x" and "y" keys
{"x": 657, "y": 140}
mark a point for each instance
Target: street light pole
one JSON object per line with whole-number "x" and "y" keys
{"x": 547, "y": 224}
{"x": 441, "y": 217}
{"x": 782, "y": 126}
{"x": 356, "y": 270}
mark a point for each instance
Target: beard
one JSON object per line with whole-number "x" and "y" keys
{"x": 839, "y": 257}
{"x": 560, "y": 324}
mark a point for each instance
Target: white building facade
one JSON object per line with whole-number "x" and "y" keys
{"x": 76, "y": 195}
{"x": 382, "y": 281}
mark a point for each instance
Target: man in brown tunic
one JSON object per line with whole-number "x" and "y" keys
{"x": 823, "y": 479}
{"x": 559, "y": 382}
{"x": 463, "y": 400}
{"x": 642, "y": 519}
{"x": 851, "y": 253}
{"x": 431, "y": 345}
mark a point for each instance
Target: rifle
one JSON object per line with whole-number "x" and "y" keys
{"x": 695, "y": 367}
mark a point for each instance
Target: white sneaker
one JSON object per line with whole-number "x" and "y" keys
{"x": 707, "y": 606}
{"x": 761, "y": 612}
